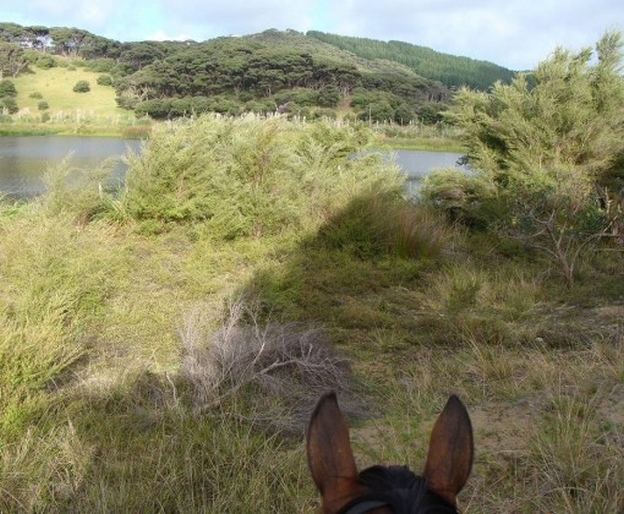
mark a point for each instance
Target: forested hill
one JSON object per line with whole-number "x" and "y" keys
{"x": 286, "y": 71}
{"x": 449, "y": 69}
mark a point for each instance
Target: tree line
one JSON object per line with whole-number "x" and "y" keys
{"x": 451, "y": 70}
{"x": 283, "y": 71}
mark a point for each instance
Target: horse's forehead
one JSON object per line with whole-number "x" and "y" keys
{"x": 402, "y": 490}
{"x": 395, "y": 477}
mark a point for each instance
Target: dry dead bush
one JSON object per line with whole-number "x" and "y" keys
{"x": 272, "y": 374}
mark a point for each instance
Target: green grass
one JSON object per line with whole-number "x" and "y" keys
{"x": 432, "y": 144}
{"x": 93, "y": 112}
{"x": 55, "y": 86}
{"x": 419, "y": 137}
{"x": 97, "y": 415}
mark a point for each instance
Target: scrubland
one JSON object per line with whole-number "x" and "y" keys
{"x": 163, "y": 341}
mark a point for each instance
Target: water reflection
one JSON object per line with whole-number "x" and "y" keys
{"x": 24, "y": 160}
{"x": 418, "y": 163}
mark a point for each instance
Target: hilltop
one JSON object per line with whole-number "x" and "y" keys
{"x": 450, "y": 70}
{"x": 311, "y": 74}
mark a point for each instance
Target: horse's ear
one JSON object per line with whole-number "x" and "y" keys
{"x": 329, "y": 455}
{"x": 450, "y": 451}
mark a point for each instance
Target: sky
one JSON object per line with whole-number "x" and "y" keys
{"x": 512, "y": 33}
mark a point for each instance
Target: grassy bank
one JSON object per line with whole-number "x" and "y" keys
{"x": 437, "y": 138}
{"x": 48, "y": 105}
{"x": 55, "y": 86}
{"x": 160, "y": 350}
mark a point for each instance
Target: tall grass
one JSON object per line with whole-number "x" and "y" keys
{"x": 378, "y": 224}
{"x": 127, "y": 385}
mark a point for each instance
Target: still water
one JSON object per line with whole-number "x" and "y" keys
{"x": 24, "y": 160}
{"x": 418, "y": 163}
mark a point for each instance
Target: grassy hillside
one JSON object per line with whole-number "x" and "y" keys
{"x": 93, "y": 111}
{"x": 56, "y": 88}
{"x": 304, "y": 75}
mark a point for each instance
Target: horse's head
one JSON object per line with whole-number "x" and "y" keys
{"x": 382, "y": 489}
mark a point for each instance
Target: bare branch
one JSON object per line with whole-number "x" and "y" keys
{"x": 278, "y": 369}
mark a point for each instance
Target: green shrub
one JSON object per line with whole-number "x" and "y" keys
{"x": 36, "y": 95}
{"x": 127, "y": 101}
{"x": 251, "y": 177}
{"x": 380, "y": 112}
{"x": 260, "y": 107}
{"x": 328, "y": 97}
{"x": 9, "y": 104}
{"x": 43, "y": 105}
{"x": 159, "y": 109}
{"x": 403, "y": 114}
{"x": 7, "y": 89}
{"x": 75, "y": 191}
{"x": 105, "y": 80}
{"x": 82, "y": 86}
{"x": 465, "y": 198}
{"x": 45, "y": 62}
{"x": 546, "y": 148}
{"x": 319, "y": 114}
{"x": 100, "y": 65}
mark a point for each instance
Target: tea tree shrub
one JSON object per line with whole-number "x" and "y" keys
{"x": 544, "y": 151}
{"x": 250, "y": 176}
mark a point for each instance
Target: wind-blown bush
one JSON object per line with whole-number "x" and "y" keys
{"x": 251, "y": 177}
{"x": 76, "y": 191}
{"x": 544, "y": 151}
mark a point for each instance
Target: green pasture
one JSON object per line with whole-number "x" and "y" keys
{"x": 66, "y": 111}
{"x": 55, "y": 85}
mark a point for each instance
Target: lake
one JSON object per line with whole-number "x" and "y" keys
{"x": 24, "y": 160}
{"x": 418, "y": 163}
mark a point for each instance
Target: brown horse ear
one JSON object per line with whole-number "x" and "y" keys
{"x": 450, "y": 451}
{"x": 329, "y": 455}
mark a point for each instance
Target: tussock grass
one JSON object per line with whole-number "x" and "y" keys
{"x": 379, "y": 224}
